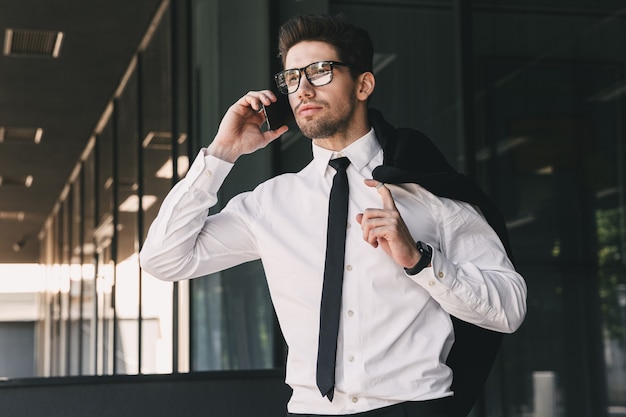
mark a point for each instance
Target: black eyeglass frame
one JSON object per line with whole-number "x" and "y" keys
{"x": 285, "y": 89}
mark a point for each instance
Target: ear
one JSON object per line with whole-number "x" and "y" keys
{"x": 365, "y": 87}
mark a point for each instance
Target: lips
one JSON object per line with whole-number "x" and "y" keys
{"x": 308, "y": 109}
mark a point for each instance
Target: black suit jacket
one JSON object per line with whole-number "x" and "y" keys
{"x": 410, "y": 157}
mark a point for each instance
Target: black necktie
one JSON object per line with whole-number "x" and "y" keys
{"x": 333, "y": 278}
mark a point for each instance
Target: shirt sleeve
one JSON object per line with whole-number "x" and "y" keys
{"x": 471, "y": 276}
{"x": 183, "y": 241}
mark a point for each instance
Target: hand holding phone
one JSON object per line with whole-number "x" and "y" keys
{"x": 278, "y": 113}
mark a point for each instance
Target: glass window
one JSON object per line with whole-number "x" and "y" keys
{"x": 55, "y": 299}
{"x": 127, "y": 266}
{"x": 547, "y": 102}
{"x": 156, "y": 129}
{"x": 75, "y": 280}
{"x": 415, "y": 64}
{"x": 103, "y": 316}
{"x": 232, "y": 321}
{"x": 64, "y": 290}
{"x": 551, "y": 153}
{"x": 88, "y": 268}
{"x": 105, "y": 267}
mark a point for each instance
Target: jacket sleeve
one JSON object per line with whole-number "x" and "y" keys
{"x": 471, "y": 276}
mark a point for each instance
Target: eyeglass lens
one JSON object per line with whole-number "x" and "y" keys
{"x": 317, "y": 73}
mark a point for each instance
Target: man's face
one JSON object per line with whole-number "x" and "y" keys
{"x": 325, "y": 111}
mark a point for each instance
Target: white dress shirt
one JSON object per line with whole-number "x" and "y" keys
{"x": 395, "y": 330}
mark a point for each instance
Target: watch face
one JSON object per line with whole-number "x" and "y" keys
{"x": 424, "y": 248}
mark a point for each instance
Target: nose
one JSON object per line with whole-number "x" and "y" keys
{"x": 305, "y": 89}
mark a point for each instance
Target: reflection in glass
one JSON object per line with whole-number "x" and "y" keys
{"x": 88, "y": 272}
{"x": 550, "y": 160}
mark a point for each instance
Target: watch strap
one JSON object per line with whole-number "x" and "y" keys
{"x": 426, "y": 256}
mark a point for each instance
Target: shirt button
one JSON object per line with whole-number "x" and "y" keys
{"x": 351, "y": 359}
{"x": 354, "y": 399}
{"x": 440, "y": 274}
{"x": 208, "y": 173}
{"x": 349, "y": 225}
{"x": 431, "y": 283}
{"x": 349, "y": 267}
{"x": 350, "y": 313}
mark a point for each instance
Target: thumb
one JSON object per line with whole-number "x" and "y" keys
{"x": 272, "y": 135}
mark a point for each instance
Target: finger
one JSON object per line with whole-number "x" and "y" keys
{"x": 272, "y": 135}
{"x": 385, "y": 194}
{"x": 283, "y": 128}
{"x": 374, "y": 225}
{"x": 365, "y": 223}
{"x": 257, "y": 99}
{"x": 266, "y": 95}
{"x": 369, "y": 237}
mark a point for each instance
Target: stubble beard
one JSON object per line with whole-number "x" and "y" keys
{"x": 330, "y": 125}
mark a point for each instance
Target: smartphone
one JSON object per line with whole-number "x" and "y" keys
{"x": 278, "y": 113}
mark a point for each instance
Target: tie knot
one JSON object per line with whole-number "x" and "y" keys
{"x": 340, "y": 164}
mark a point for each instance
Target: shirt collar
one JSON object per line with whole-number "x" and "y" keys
{"x": 360, "y": 153}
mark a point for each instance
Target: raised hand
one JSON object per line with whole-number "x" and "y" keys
{"x": 386, "y": 228}
{"x": 240, "y": 132}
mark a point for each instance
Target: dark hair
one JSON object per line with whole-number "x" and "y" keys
{"x": 353, "y": 44}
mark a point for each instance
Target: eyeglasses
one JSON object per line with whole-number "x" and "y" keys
{"x": 318, "y": 74}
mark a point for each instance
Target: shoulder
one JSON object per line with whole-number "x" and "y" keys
{"x": 408, "y": 148}
{"x": 441, "y": 207}
{"x": 413, "y": 148}
{"x": 285, "y": 183}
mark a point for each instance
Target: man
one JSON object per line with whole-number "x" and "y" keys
{"x": 413, "y": 258}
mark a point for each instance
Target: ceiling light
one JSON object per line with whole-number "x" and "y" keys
{"x": 35, "y": 43}
{"x": 20, "y": 135}
{"x": 17, "y": 246}
{"x": 612, "y": 93}
{"x": 501, "y": 147}
{"x": 25, "y": 181}
{"x": 547, "y": 170}
{"x": 167, "y": 171}
{"x": 162, "y": 140}
{"x": 131, "y": 204}
{"x": 12, "y": 215}
{"x": 38, "y": 135}
{"x": 607, "y": 192}
{"x": 523, "y": 221}
{"x": 381, "y": 61}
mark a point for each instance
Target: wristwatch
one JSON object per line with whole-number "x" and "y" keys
{"x": 427, "y": 255}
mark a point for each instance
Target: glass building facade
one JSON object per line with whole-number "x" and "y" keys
{"x": 526, "y": 96}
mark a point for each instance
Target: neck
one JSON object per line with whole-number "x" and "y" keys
{"x": 337, "y": 143}
{"x": 342, "y": 139}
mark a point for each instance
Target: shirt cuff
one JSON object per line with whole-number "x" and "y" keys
{"x": 207, "y": 173}
{"x": 439, "y": 277}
